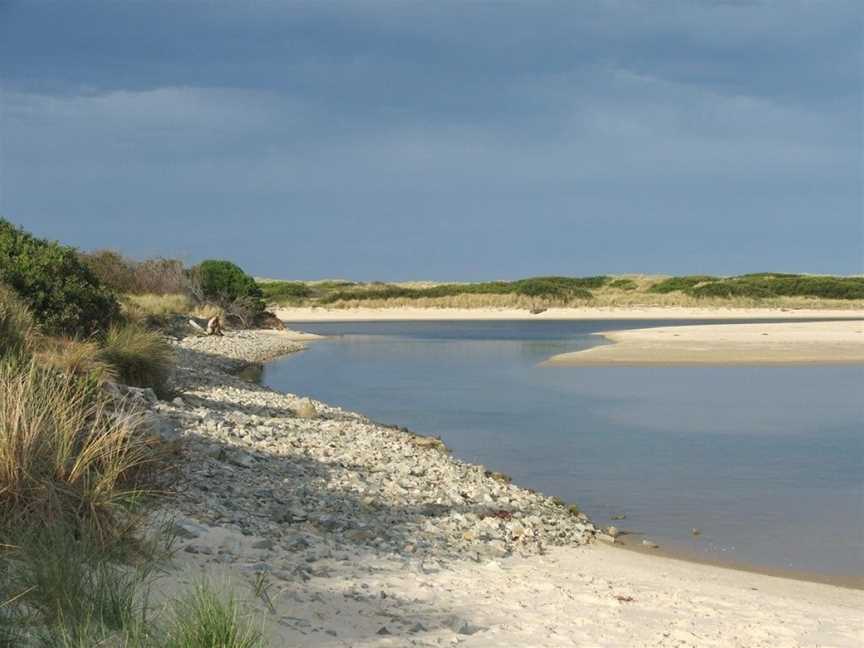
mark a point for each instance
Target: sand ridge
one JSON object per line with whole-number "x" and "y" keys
{"x": 828, "y": 342}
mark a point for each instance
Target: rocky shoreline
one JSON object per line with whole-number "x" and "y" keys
{"x": 310, "y": 478}
{"x": 338, "y": 531}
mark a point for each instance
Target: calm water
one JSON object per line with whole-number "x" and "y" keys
{"x": 767, "y": 462}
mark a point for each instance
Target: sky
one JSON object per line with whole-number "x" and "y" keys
{"x": 442, "y": 140}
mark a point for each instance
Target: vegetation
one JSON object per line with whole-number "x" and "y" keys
{"x": 139, "y": 356}
{"x": 64, "y": 296}
{"x": 205, "y": 618}
{"x": 685, "y": 283}
{"x": 225, "y": 284}
{"x": 765, "y": 289}
{"x": 125, "y": 276}
{"x": 17, "y": 328}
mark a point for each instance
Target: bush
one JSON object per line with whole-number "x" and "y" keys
{"x": 67, "y": 455}
{"x": 139, "y": 357}
{"x": 285, "y": 291}
{"x": 62, "y": 293}
{"x": 225, "y": 284}
{"x": 623, "y": 284}
{"x": 778, "y": 285}
{"x": 16, "y": 324}
{"x": 153, "y": 276}
{"x": 675, "y": 284}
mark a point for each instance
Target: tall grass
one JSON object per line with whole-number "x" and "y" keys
{"x": 75, "y": 358}
{"x": 68, "y": 455}
{"x": 207, "y": 619}
{"x": 140, "y": 357}
{"x": 156, "y": 306}
{"x": 17, "y": 327}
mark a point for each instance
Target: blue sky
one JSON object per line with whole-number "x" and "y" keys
{"x": 439, "y": 140}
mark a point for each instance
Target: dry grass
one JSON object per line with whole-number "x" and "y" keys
{"x": 149, "y": 305}
{"x": 67, "y": 454}
{"x": 75, "y": 358}
{"x": 17, "y": 328}
{"x": 140, "y": 357}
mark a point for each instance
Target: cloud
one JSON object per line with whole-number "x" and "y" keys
{"x": 731, "y": 117}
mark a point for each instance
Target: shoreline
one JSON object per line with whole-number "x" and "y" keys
{"x": 267, "y": 491}
{"x": 759, "y": 344}
{"x": 316, "y": 314}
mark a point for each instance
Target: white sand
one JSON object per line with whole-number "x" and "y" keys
{"x": 306, "y": 314}
{"x": 590, "y": 596}
{"x": 785, "y": 343}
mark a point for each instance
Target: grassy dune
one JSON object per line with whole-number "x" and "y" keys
{"x": 772, "y": 290}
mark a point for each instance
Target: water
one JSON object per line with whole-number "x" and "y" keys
{"x": 768, "y": 462}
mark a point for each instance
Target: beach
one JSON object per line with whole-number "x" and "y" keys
{"x": 787, "y": 343}
{"x": 317, "y": 314}
{"x": 361, "y": 534}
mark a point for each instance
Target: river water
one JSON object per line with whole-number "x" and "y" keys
{"x": 767, "y": 462}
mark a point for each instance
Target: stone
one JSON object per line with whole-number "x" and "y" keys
{"x": 612, "y": 531}
{"x": 650, "y": 544}
{"x": 306, "y": 409}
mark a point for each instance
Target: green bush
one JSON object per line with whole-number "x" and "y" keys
{"x": 285, "y": 291}
{"x": 62, "y": 293}
{"x": 224, "y": 282}
{"x": 623, "y": 284}
{"x": 674, "y": 284}
{"x": 782, "y": 285}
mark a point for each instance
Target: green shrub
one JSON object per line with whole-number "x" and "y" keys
{"x": 139, "y": 357}
{"x": 16, "y": 324}
{"x": 623, "y": 284}
{"x": 557, "y": 288}
{"x": 225, "y": 284}
{"x": 285, "y": 291}
{"x": 766, "y": 285}
{"x": 62, "y": 293}
{"x": 674, "y": 284}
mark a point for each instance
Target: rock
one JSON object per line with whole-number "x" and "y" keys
{"x": 306, "y": 409}
{"x": 605, "y": 537}
{"x": 383, "y": 631}
{"x": 695, "y": 531}
{"x": 188, "y": 530}
{"x": 265, "y": 544}
{"x": 612, "y": 531}
{"x": 650, "y": 544}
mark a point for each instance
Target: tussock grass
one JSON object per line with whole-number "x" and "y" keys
{"x": 206, "y": 619}
{"x": 140, "y": 357}
{"x": 75, "y": 358}
{"x": 17, "y": 327}
{"x": 68, "y": 455}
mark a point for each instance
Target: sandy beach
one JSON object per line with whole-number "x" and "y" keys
{"x": 359, "y": 534}
{"x": 306, "y": 314}
{"x": 829, "y": 342}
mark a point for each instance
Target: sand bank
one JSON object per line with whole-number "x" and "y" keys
{"x": 338, "y": 531}
{"x": 306, "y": 314}
{"x": 598, "y": 596}
{"x": 835, "y": 342}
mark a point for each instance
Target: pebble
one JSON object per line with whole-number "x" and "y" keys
{"x": 337, "y": 480}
